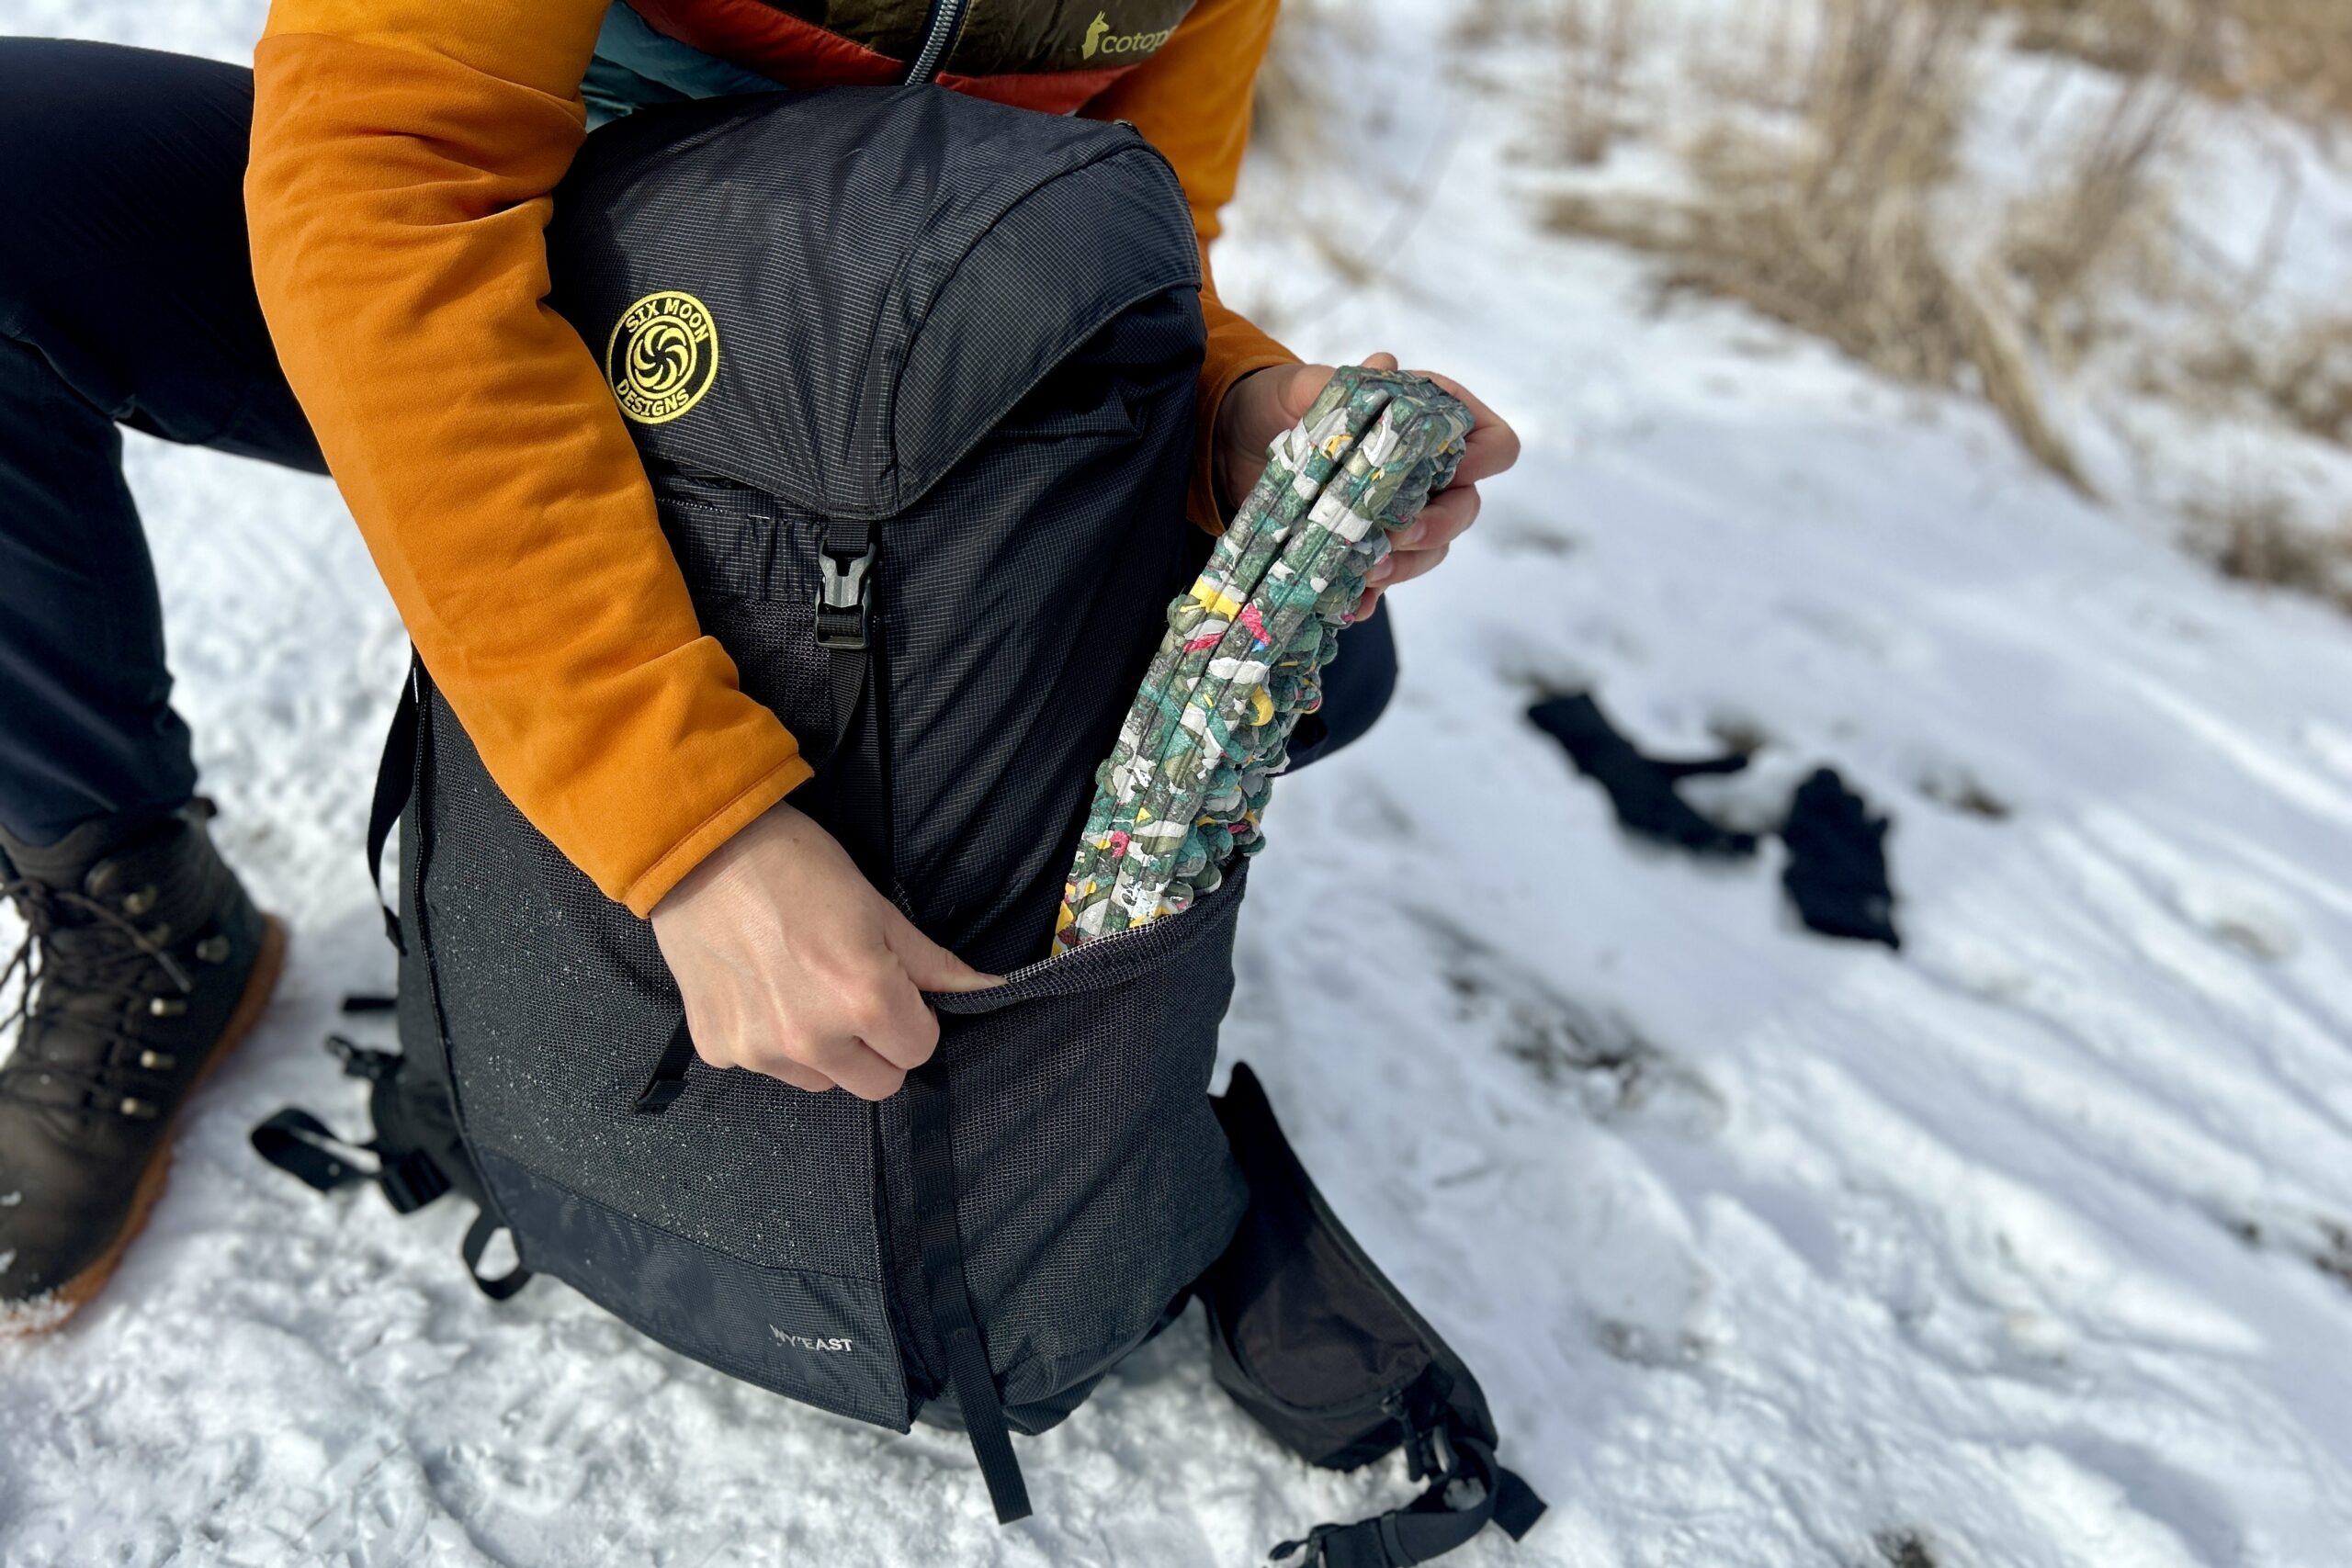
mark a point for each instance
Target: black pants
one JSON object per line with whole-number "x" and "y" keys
{"x": 127, "y": 298}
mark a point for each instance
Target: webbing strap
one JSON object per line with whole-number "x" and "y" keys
{"x": 395, "y": 776}
{"x": 849, "y": 668}
{"x": 669, "y": 1077}
{"x": 306, "y": 1148}
{"x": 486, "y": 1225}
{"x": 852, "y": 635}
{"x": 952, "y": 1319}
{"x": 309, "y": 1150}
{"x": 858, "y": 758}
{"x": 1433, "y": 1524}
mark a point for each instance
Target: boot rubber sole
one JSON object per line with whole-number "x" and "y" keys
{"x": 269, "y": 962}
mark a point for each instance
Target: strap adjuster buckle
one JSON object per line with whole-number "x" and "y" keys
{"x": 844, "y": 599}
{"x": 412, "y": 1182}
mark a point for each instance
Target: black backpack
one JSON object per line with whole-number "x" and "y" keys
{"x": 915, "y": 378}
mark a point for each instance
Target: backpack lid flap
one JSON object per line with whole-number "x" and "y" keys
{"x": 831, "y": 297}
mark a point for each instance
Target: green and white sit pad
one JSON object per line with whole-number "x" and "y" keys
{"x": 1183, "y": 792}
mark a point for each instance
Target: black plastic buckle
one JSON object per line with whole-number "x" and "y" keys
{"x": 361, "y": 1061}
{"x": 844, "y": 599}
{"x": 412, "y": 1182}
{"x": 1311, "y": 1543}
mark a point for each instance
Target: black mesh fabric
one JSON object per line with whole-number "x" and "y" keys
{"x": 1094, "y": 1179}
{"x": 979, "y": 327}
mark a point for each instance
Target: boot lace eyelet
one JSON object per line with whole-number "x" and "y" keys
{"x": 165, "y": 1007}
{"x": 157, "y": 1061}
{"x": 138, "y": 1109}
{"x": 213, "y": 950}
{"x": 141, "y": 901}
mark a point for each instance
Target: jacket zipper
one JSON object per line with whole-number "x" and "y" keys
{"x": 946, "y": 18}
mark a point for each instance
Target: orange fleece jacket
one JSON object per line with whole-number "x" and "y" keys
{"x": 404, "y": 151}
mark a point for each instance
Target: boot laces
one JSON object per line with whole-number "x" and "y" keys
{"x": 47, "y": 968}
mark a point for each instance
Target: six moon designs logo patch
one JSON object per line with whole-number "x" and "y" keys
{"x": 662, "y": 357}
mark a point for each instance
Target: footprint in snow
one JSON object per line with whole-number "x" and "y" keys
{"x": 1613, "y": 1068}
{"x": 1904, "y": 1548}
{"x": 1952, "y": 786}
{"x": 2325, "y": 1245}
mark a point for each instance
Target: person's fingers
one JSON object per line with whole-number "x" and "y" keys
{"x": 730, "y": 1044}
{"x": 1406, "y": 565}
{"x": 856, "y": 1067}
{"x": 930, "y": 967}
{"x": 799, "y": 1074}
{"x": 1306, "y": 383}
{"x": 895, "y": 1023}
{"x": 712, "y": 1039}
{"x": 1403, "y": 565}
{"x": 1365, "y": 606}
{"x": 1445, "y": 519}
{"x": 1299, "y": 389}
{"x": 1493, "y": 446}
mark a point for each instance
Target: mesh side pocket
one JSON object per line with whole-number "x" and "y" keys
{"x": 1095, "y": 1183}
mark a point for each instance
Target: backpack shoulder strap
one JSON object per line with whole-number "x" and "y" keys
{"x": 395, "y": 781}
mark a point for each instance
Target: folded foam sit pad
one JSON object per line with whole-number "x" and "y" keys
{"x": 1181, "y": 796}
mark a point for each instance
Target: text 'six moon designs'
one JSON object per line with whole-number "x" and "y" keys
{"x": 662, "y": 357}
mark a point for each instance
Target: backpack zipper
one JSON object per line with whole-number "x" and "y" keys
{"x": 946, "y": 19}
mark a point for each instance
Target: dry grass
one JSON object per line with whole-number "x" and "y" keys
{"x": 2103, "y": 229}
{"x": 1292, "y": 122}
{"x": 2310, "y": 385}
{"x": 1826, "y": 191}
{"x": 1832, "y": 229}
{"x": 1825, "y": 188}
{"x": 1306, "y": 132}
{"x": 1597, "y": 42}
{"x": 2259, "y": 537}
{"x": 2303, "y": 380}
{"x": 2293, "y": 55}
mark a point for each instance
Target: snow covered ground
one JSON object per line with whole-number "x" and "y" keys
{"x": 2032, "y": 1246}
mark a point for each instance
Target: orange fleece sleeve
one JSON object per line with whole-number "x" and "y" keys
{"x": 1192, "y": 101}
{"x": 404, "y": 151}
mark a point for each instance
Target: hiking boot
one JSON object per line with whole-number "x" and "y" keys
{"x": 152, "y": 963}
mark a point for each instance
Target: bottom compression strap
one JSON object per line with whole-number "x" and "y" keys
{"x": 306, "y": 1149}
{"x": 1429, "y": 1527}
{"x": 952, "y": 1319}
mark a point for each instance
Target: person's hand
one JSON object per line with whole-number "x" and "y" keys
{"x": 1264, "y": 403}
{"x": 793, "y": 965}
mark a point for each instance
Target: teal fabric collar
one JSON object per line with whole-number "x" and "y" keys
{"x": 636, "y": 68}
